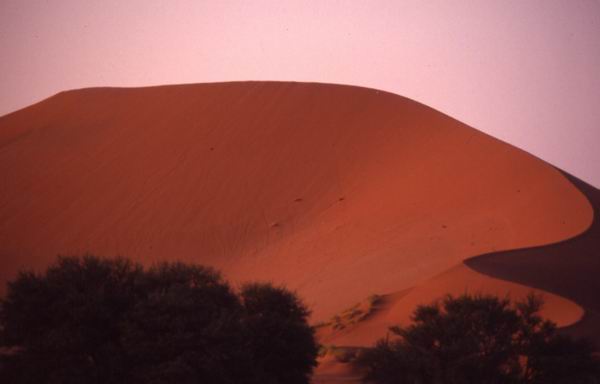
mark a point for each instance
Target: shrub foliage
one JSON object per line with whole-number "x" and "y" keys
{"x": 92, "y": 320}
{"x": 480, "y": 339}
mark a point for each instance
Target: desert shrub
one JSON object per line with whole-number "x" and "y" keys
{"x": 65, "y": 324}
{"x": 92, "y": 320}
{"x": 185, "y": 328}
{"x": 284, "y": 349}
{"x": 480, "y": 339}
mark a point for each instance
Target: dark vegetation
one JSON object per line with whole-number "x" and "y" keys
{"x": 92, "y": 320}
{"x": 480, "y": 339}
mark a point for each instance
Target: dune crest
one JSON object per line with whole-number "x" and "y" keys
{"x": 570, "y": 268}
{"x": 396, "y": 308}
{"x": 339, "y": 192}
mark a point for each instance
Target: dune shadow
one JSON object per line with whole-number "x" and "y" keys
{"x": 570, "y": 268}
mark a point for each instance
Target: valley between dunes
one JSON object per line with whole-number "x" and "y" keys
{"x": 338, "y": 192}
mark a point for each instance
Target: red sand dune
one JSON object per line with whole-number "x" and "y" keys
{"x": 339, "y": 192}
{"x": 396, "y": 308}
{"x": 569, "y": 268}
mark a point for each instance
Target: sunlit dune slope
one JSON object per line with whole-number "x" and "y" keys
{"x": 396, "y": 308}
{"x": 570, "y": 268}
{"x": 337, "y": 191}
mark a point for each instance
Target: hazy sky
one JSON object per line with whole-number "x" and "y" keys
{"x": 527, "y": 72}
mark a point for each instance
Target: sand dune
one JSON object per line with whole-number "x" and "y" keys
{"x": 569, "y": 268}
{"x": 339, "y": 192}
{"x": 396, "y": 308}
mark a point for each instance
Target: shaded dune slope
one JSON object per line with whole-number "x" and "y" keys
{"x": 339, "y": 192}
{"x": 569, "y": 268}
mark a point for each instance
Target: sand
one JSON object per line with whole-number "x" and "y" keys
{"x": 569, "y": 268}
{"x": 338, "y": 192}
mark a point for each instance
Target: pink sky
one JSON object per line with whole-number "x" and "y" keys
{"x": 527, "y": 72}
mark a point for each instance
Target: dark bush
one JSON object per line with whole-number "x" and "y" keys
{"x": 276, "y": 323}
{"x": 185, "y": 328}
{"x": 480, "y": 339}
{"x": 65, "y": 324}
{"x": 91, "y": 320}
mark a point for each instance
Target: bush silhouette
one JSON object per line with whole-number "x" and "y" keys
{"x": 283, "y": 344}
{"x": 480, "y": 339}
{"x": 92, "y": 320}
{"x": 185, "y": 328}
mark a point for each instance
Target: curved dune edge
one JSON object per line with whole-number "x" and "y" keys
{"x": 496, "y": 274}
{"x": 478, "y": 275}
{"x": 338, "y": 192}
{"x": 396, "y": 308}
{"x": 570, "y": 268}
